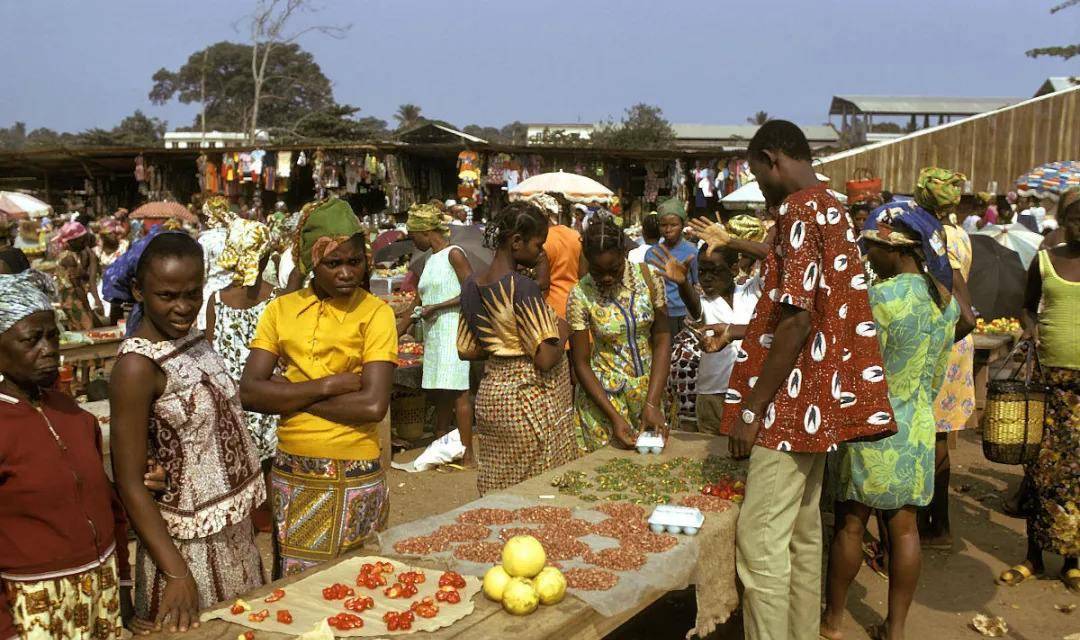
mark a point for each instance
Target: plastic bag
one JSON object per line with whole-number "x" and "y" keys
{"x": 445, "y": 450}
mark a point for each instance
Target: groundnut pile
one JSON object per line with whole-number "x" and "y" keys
{"x": 590, "y": 579}
{"x": 486, "y": 516}
{"x": 616, "y": 559}
{"x": 460, "y": 532}
{"x": 422, "y": 545}
{"x": 479, "y": 551}
{"x": 543, "y": 514}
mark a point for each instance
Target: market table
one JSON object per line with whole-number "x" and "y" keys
{"x": 82, "y": 355}
{"x": 571, "y": 618}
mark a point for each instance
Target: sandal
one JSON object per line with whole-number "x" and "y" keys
{"x": 1016, "y": 575}
{"x": 1071, "y": 578}
{"x": 873, "y": 557}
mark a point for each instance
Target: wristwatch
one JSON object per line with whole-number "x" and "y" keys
{"x": 748, "y": 416}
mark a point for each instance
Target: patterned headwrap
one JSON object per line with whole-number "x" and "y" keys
{"x": 217, "y": 213}
{"x": 938, "y": 190}
{"x": 70, "y": 231}
{"x": 548, "y": 204}
{"x": 246, "y": 242}
{"x": 23, "y": 294}
{"x": 747, "y": 227}
{"x": 904, "y": 223}
{"x": 427, "y": 217}
{"x": 324, "y": 226}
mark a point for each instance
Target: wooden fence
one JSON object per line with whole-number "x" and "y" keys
{"x": 997, "y": 146}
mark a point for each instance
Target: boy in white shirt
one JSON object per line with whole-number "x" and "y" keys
{"x": 726, "y": 308}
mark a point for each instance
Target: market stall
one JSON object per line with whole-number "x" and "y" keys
{"x": 85, "y": 351}
{"x": 706, "y": 559}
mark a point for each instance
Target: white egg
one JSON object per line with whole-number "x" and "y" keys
{"x": 642, "y": 449}
{"x": 657, "y": 528}
{"x": 674, "y": 528}
{"x": 690, "y": 531}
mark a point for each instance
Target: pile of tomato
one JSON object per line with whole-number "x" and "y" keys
{"x": 345, "y": 621}
{"x": 727, "y": 489}
{"x": 338, "y": 591}
{"x": 398, "y": 621}
{"x": 373, "y": 576}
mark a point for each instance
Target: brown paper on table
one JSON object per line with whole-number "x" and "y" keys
{"x": 304, "y": 601}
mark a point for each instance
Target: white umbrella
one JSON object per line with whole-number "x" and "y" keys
{"x": 750, "y": 194}
{"x": 21, "y": 205}
{"x": 1016, "y": 237}
{"x": 574, "y": 187}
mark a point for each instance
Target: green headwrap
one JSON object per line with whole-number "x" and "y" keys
{"x": 939, "y": 190}
{"x": 427, "y": 217}
{"x": 672, "y": 207}
{"x": 324, "y": 226}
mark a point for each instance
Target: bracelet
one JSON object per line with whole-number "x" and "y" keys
{"x": 187, "y": 572}
{"x": 651, "y": 405}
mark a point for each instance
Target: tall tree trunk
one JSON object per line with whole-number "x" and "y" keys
{"x": 257, "y": 77}
{"x": 202, "y": 88}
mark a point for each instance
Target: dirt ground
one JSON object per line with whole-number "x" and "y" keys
{"x": 953, "y": 587}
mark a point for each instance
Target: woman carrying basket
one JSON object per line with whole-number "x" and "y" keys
{"x": 1053, "y": 506}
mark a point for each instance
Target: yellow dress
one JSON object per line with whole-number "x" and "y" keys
{"x": 956, "y": 400}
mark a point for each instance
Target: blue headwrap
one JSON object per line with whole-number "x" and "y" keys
{"x": 926, "y": 226}
{"x": 119, "y": 277}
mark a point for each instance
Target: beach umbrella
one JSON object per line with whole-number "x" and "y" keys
{"x": 1050, "y": 179}
{"x": 164, "y": 210}
{"x": 574, "y": 187}
{"x": 390, "y": 253}
{"x": 997, "y": 279}
{"x": 17, "y": 205}
{"x": 750, "y": 194}
{"x": 1015, "y": 237}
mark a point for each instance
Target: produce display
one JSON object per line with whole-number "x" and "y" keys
{"x": 625, "y": 480}
{"x": 998, "y": 326}
{"x": 410, "y": 353}
{"x": 390, "y": 272}
{"x": 524, "y": 581}
{"x": 361, "y": 597}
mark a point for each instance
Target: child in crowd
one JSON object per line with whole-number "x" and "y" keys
{"x": 672, "y": 214}
{"x": 171, "y": 393}
{"x": 726, "y": 308}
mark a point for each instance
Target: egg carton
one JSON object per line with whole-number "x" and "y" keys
{"x": 650, "y": 442}
{"x": 674, "y": 519}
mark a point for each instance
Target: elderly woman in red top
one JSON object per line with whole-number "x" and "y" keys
{"x": 62, "y": 531}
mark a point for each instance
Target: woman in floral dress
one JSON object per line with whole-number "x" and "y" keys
{"x": 916, "y": 319}
{"x": 233, "y": 313}
{"x": 622, "y": 371}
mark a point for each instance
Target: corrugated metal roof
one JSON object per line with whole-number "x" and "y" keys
{"x": 1055, "y": 84}
{"x": 814, "y": 133}
{"x": 902, "y": 105}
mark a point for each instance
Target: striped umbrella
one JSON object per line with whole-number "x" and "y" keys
{"x": 15, "y": 205}
{"x": 1049, "y": 180}
{"x": 164, "y": 210}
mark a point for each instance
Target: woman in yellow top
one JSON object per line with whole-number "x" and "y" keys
{"x": 338, "y": 344}
{"x": 1051, "y": 306}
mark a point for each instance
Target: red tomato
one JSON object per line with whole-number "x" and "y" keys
{"x": 249, "y": 635}
{"x": 260, "y": 616}
{"x": 237, "y": 609}
{"x": 284, "y": 617}
{"x": 275, "y": 595}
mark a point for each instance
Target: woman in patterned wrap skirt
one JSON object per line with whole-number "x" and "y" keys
{"x": 523, "y": 407}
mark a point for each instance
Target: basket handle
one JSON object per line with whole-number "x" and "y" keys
{"x": 1030, "y": 365}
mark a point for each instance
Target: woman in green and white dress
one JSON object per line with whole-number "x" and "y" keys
{"x": 446, "y": 376}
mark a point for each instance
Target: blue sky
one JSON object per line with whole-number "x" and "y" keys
{"x": 74, "y": 64}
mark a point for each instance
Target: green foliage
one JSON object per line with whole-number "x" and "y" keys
{"x": 759, "y": 118}
{"x": 643, "y": 127}
{"x": 337, "y": 124}
{"x": 408, "y": 116}
{"x": 136, "y": 130}
{"x": 294, "y": 88}
{"x": 1064, "y": 52}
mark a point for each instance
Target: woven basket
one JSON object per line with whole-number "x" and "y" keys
{"x": 1012, "y": 423}
{"x": 408, "y": 411}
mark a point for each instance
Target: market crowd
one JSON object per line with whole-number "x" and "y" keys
{"x": 830, "y": 344}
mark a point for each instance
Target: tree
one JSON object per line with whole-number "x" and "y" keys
{"x": 136, "y": 130}
{"x": 13, "y": 137}
{"x": 269, "y": 27}
{"x": 515, "y": 132}
{"x": 333, "y": 125}
{"x": 1064, "y": 51}
{"x": 759, "y": 118}
{"x": 643, "y": 127}
{"x": 407, "y": 115}
{"x": 295, "y": 86}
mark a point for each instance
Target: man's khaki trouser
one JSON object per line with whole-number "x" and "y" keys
{"x": 779, "y": 545}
